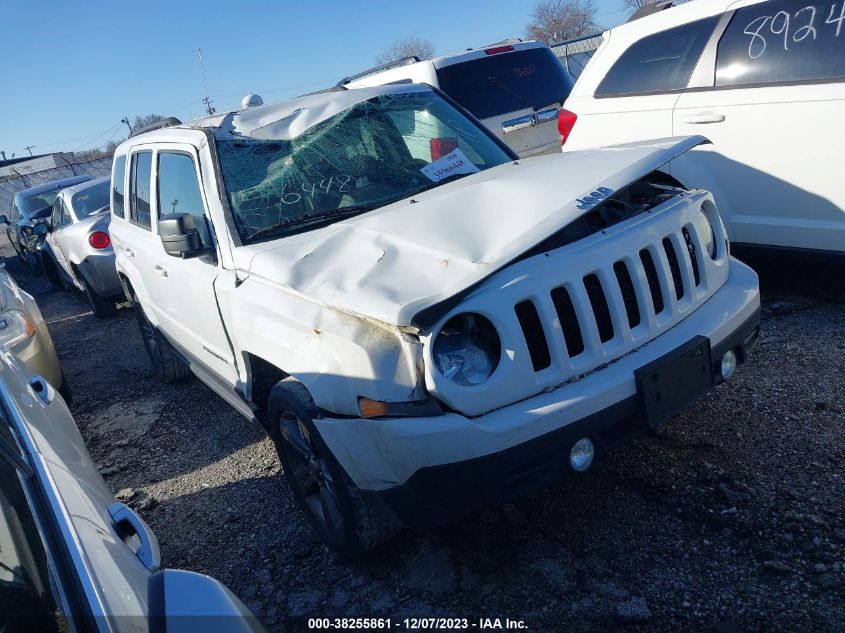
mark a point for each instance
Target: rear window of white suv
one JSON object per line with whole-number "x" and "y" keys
{"x": 506, "y": 82}
{"x": 783, "y": 41}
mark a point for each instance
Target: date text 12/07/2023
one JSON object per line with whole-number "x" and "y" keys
{"x": 418, "y": 624}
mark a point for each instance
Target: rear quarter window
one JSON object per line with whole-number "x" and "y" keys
{"x": 506, "y": 82}
{"x": 661, "y": 62}
{"x": 117, "y": 179}
{"x": 783, "y": 41}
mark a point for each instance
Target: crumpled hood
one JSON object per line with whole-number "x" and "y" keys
{"x": 391, "y": 263}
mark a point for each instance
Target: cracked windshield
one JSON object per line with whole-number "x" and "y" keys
{"x": 377, "y": 152}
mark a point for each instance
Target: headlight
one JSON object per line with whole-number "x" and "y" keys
{"x": 15, "y": 326}
{"x": 467, "y": 350}
{"x": 705, "y": 231}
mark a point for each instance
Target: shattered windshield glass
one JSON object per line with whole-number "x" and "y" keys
{"x": 377, "y": 152}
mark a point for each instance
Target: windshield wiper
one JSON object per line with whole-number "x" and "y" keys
{"x": 445, "y": 180}
{"x": 312, "y": 222}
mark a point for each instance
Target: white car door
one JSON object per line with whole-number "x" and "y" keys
{"x": 629, "y": 95}
{"x": 185, "y": 299}
{"x": 773, "y": 111}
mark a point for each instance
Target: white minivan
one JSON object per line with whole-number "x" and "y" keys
{"x": 763, "y": 80}
{"x": 514, "y": 88}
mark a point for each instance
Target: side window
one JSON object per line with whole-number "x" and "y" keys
{"x": 56, "y": 217}
{"x": 781, "y": 41}
{"x": 139, "y": 188}
{"x": 179, "y": 191}
{"x": 66, "y": 218}
{"x": 26, "y": 597}
{"x": 117, "y": 176}
{"x": 660, "y": 62}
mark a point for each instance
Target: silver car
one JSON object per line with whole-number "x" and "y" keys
{"x": 77, "y": 253}
{"x": 71, "y": 557}
{"x": 24, "y": 333}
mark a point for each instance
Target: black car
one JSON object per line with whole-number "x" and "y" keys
{"x": 30, "y": 207}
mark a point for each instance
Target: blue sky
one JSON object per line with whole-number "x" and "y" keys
{"x": 72, "y": 70}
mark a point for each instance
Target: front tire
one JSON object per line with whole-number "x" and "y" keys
{"x": 346, "y": 519}
{"x": 102, "y": 307}
{"x": 167, "y": 366}
{"x": 51, "y": 270}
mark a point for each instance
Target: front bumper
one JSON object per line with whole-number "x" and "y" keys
{"x": 428, "y": 470}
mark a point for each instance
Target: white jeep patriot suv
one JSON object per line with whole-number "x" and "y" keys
{"x": 423, "y": 337}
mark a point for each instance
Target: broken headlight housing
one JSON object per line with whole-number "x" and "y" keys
{"x": 467, "y": 349}
{"x": 704, "y": 228}
{"x": 15, "y": 326}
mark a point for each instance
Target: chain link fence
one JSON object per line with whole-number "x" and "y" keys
{"x": 10, "y": 185}
{"x": 574, "y": 54}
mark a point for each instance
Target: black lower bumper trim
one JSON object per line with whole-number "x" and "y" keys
{"x": 437, "y": 494}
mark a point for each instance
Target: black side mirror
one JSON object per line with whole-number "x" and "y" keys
{"x": 180, "y": 237}
{"x": 4, "y": 219}
{"x": 42, "y": 228}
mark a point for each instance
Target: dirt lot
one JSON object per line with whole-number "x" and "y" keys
{"x": 731, "y": 518}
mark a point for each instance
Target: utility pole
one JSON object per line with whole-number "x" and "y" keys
{"x": 29, "y": 149}
{"x": 208, "y": 107}
{"x": 126, "y": 120}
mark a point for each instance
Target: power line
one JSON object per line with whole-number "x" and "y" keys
{"x": 91, "y": 142}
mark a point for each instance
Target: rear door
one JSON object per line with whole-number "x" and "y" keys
{"x": 773, "y": 109}
{"x": 633, "y": 99}
{"x": 515, "y": 91}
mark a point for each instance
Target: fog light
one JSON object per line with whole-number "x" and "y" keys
{"x": 728, "y": 364}
{"x": 581, "y": 455}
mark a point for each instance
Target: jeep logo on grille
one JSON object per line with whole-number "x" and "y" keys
{"x": 592, "y": 199}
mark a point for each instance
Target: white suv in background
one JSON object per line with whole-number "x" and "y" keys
{"x": 514, "y": 88}
{"x": 764, "y": 81}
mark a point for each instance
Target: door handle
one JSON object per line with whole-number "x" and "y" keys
{"x": 42, "y": 389}
{"x": 704, "y": 117}
{"x": 128, "y": 524}
{"x": 128, "y": 252}
{"x": 160, "y": 271}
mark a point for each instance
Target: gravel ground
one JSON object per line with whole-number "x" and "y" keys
{"x": 730, "y": 518}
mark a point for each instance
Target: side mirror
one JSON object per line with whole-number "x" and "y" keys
{"x": 180, "y": 237}
{"x": 179, "y": 601}
{"x": 4, "y": 219}
{"x": 42, "y": 228}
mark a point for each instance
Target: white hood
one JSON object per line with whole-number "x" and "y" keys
{"x": 391, "y": 263}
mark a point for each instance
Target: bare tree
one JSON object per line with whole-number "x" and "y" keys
{"x": 634, "y": 5}
{"x": 149, "y": 119}
{"x": 406, "y": 47}
{"x": 558, "y": 20}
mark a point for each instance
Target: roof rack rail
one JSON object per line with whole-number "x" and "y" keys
{"x": 650, "y": 8}
{"x": 396, "y": 63}
{"x": 168, "y": 122}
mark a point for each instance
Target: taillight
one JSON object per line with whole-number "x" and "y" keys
{"x": 498, "y": 49}
{"x": 442, "y": 146}
{"x": 565, "y": 123}
{"x": 99, "y": 240}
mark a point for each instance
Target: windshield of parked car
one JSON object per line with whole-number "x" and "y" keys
{"x": 503, "y": 83}
{"x": 35, "y": 205}
{"x": 90, "y": 200}
{"x": 377, "y": 152}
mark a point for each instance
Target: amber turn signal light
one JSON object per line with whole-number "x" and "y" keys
{"x": 371, "y": 408}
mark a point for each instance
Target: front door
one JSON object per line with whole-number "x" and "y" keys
{"x": 186, "y": 302}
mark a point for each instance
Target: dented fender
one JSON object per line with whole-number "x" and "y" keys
{"x": 338, "y": 356}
